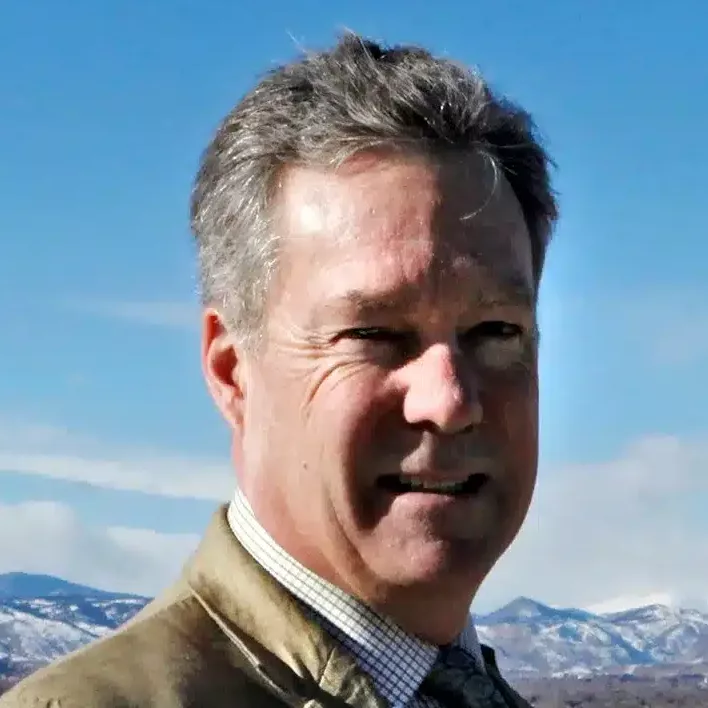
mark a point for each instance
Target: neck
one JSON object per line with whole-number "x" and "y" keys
{"x": 435, "y": 612}
{"x": 437, "y": 615}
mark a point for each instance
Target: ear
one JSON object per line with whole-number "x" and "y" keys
{"x": 223, "y": 368}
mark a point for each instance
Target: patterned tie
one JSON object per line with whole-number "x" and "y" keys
{"x": 456, "y": 680}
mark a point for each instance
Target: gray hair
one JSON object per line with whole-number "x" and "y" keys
{"x": 324, "y": 108}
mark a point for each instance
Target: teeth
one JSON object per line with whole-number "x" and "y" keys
{"x": 419, "y": 484}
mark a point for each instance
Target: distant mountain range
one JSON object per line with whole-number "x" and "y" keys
{"x": 43, "y": 618}
{"x": 27, "y": 585}
{"x": 534, "y": 639}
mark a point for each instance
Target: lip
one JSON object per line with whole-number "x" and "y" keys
{"x": 442, "y": 475}
{"x": 474, "y": 482}
{"x": 433, "y": 503}
{"x": 441, "y": 478}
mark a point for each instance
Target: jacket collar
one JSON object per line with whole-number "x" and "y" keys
{"x": 287, "y": 651}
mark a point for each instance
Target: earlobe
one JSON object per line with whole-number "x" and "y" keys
{"x": 222, "y": 368}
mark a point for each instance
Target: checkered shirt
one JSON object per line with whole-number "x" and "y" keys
{"x": 396, "y": 662}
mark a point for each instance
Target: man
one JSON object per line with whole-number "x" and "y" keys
{"x": 371, "y": 225}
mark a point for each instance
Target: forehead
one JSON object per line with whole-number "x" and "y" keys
{"x": 411, "y": 224}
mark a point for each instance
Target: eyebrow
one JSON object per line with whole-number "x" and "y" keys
{"x": 514, "y": 292}
{"x": 374, "y": 303}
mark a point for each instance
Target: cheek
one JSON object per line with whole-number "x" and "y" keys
{"x": 511, "y": 414}
{"x": 512, "y": 420}
{"x": 352, "y": 412}
{"x": 360, "y": 423}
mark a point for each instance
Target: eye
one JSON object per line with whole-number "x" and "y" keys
{"x": 494, "y": 330}
{"x": 375, "y": 334}
{"x": 392, "y": 344}
{"x": 378, "y": 335}
{"x": 498, "y": 345}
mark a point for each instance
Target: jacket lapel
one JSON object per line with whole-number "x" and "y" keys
{"x": 290, "y": 653}
{"x": 281, "y": 647}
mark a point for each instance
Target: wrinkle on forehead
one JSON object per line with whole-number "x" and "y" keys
{"x": 488, "y": 289}
{"x": 370, "y": 175}
{"x": 431, "y": 219}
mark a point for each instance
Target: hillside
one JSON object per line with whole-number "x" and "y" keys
{"x": 553, "y": 655}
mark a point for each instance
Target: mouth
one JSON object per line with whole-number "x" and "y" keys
{"x": 402, "y": 484}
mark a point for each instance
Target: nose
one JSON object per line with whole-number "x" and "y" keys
{"x": 442, "y": 391}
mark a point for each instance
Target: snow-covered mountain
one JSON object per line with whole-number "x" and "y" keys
{"x": 28, "y": 585}
{"x": 49, "y": 617}
{"x": 532, "y": 638}
{"x": 42, "y": 618}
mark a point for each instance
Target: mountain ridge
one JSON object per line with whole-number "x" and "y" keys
{"x": 49, "y": 617}
{"x": 32, "y": 585}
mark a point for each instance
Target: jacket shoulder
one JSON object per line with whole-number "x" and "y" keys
{"x": 153, "y": 661}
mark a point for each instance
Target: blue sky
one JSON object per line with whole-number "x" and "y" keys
{"x": 106, "y": 432}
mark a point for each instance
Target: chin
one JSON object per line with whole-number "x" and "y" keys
{"x": 454, "y": 564}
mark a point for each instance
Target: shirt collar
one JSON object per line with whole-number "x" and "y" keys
{"x": 396, "y": 661}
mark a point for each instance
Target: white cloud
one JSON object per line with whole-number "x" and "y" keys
{"x": 154, "y": 313}
{"x": 628, "y": 602}
{"x": 47, "y": 537}
{"x": 619, "y": 531}
{"x": 56, "y": 453}
{"x": 614, "y": 532}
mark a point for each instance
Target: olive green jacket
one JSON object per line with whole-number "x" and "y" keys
{"x": 226, "y": 635}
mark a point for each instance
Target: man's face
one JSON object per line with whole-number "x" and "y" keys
{"x": 389, "y": 435}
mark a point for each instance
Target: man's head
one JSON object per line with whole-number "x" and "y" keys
{"x": 372, "y": 225}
